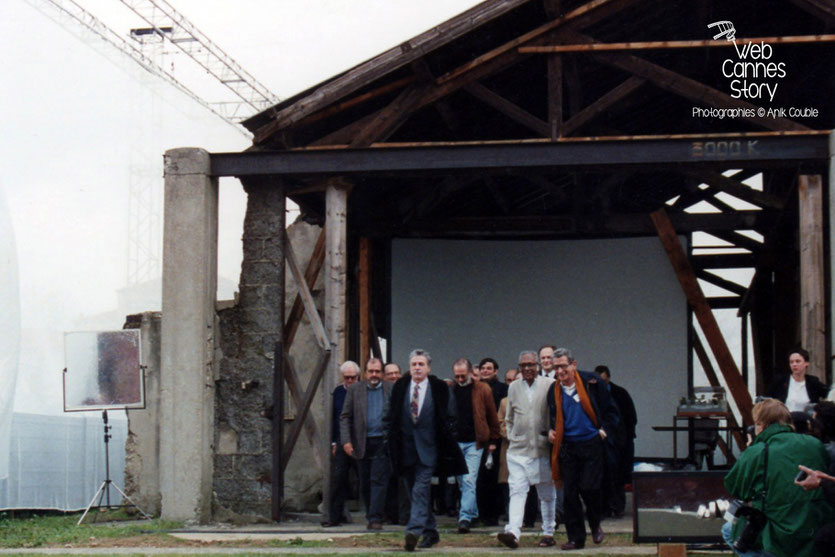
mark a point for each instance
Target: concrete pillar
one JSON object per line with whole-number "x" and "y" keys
{"x": 187, "y": 370}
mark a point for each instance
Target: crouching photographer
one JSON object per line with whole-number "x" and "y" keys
{"x": 775, "y": 517}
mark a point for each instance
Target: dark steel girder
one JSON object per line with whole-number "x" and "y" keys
{"x": 740, "y": 150}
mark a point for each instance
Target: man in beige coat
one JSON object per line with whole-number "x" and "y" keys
{"x": 529, "y": 452}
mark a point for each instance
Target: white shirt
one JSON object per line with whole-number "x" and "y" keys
{"x": 421, "y": 392}
{"x": 798, "y": 398}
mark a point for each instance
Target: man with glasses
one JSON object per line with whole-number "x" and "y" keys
{"x": 340, "y": 463}
{"x": 528, "y": 451}
{"x": 361, "y": 435}
{"x": 478, "y": 426}
{"x": 581, "y": 416}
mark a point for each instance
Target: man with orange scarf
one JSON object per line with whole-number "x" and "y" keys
{"x": 582, "y": 415}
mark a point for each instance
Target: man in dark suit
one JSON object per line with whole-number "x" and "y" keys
{"x": 624, "y": 444}
{"x": 361, "y": 435}
{"x": 340, "y": 463}
{"x": 421, "y": 429}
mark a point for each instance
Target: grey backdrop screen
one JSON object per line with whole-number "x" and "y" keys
{"x": 613, "y": 302}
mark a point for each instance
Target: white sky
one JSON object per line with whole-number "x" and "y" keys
{"x": 75, "y": 122}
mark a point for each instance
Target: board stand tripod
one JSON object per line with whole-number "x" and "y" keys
{"x": 103, "y": 492}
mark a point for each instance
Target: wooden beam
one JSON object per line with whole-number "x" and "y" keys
{"x": 739, "y": 240}
{"x": 387, "y": 120}
{"x": 383, "y": 64}
{"x": 364, "y": 285}
{"x": 821, "y": 9}
{"x": 703, "y": 313}
{"x": 491, "y": 62}
{"x": 291, "y": 378}
{"x": 812, "y": 297}
{"x": 307, "y": 298}
{"x": 678, "y": 84}
{"x": 279, "y": 459}
{"x": 554, "y": 76}
{"x": 359, "y": 99}
{"x": 710, "y": 373}
{"x": 725, "y": 284}
{"x": 739, "y": 190}
{"x": 336, "y": 268}
{"x": 311, "y": 275}
{"x": 521, "y": 40}
{"x": 725, "y": 302}
{"x": 601, "y": 104}
{"x": 509, "y": 109}
{"x": 629, "y": 223}
{"x": 304, "y": 408}
{"x": 668, "y": 45}
{"x": 723, "y": 260}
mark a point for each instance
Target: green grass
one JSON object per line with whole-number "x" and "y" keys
{"x": 36, "y": 530}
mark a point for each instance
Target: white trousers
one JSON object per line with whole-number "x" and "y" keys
{"x": 519, "y": 483}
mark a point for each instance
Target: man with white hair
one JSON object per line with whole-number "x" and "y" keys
{"x": 420, "y": 427}
{"x": 340, "y": 463}
{"x": 528, "y": 451}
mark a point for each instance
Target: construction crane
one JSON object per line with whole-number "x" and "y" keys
{"x": 166, "y": 27}
{"x": 166, "y": 22}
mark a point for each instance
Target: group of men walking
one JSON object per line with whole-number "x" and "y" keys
{"x": 556, "y": 421}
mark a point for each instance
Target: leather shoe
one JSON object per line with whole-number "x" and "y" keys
{"x": 597, "y": 535}
{"x": 464, "y": 527}
{"x": 569, "y": 545}
{"x": 508, "y": 539}
{"x": 374, "y": 525}
{"x": 329, "y": 524}
{"x": 410, "y": 542}
{"x": 547, "y": 541}
{"x": 429, "y": 539}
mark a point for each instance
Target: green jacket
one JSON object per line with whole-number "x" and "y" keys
{"x": 794, "y": 515}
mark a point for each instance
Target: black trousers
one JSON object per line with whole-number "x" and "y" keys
{"x": 582, "y": 465}
{"x": 374, "y": 472}
{"x": 487, "y": 491}
{"x": 397, "y": 501}
{"x": 825, "y": 540}
{"x": 613, "y": 488}
{"x": 341, "y": 465}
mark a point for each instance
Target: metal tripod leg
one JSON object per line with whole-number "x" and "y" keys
{"x": 129, "y": 500}
{"x": 100, "y": 495}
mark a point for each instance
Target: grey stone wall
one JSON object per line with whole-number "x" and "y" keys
{"x": 248, "y": 333}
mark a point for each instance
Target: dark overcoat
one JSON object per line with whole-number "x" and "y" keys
{"x": 450, "y": 458}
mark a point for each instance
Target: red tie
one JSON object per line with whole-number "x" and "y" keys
{"x": 415, "y": 399}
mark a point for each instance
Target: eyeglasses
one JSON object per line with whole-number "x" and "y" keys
{"x": 562, "y": 366}
{"x": 350, "y": 377}
{"x": 526, "y": 365}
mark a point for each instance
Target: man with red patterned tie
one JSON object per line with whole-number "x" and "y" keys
{"x": 420, "y": 425}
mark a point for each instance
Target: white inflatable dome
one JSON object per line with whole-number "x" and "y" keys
{"x": 9, "y": 330}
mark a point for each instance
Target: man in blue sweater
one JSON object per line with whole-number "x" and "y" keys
{"x": 582, "y": 415}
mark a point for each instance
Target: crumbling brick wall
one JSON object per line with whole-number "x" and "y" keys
{"x": 248, "y": 333}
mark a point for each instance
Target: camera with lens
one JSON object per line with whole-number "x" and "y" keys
{"x": 755, "y": 523}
